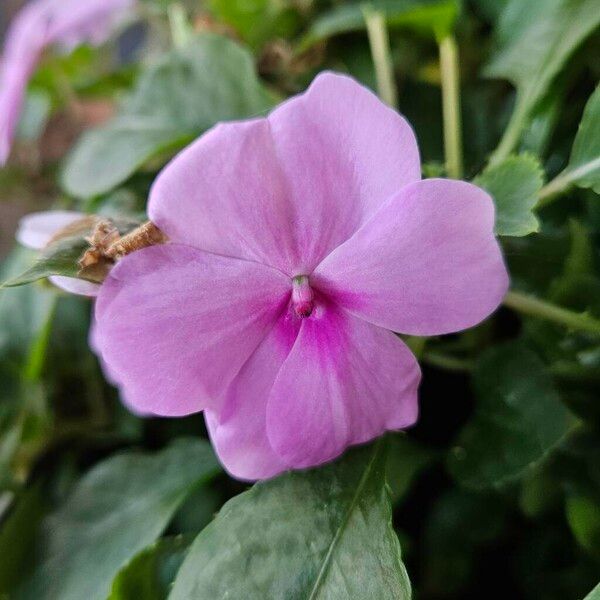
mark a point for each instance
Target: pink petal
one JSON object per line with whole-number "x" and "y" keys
{"x": 345, "y": 382}
{"x": 239, "y": 431}
{"x": 75, "y": 286}
{"x": 426, "y": 264}
{"x": 174, "y": 325}
{"x": 39, "y": 24}
{"x": 287, "y": 190}
{"x": 37, "y": 229}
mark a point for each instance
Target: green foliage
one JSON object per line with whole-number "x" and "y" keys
{"x": 185, "y": 93}
{"x": 518, "y": 421}
{"x": 149, "y": 575}
{"x": 429, "y": 17}
{"x": 514, "y": 185}
{"x": 61, "y": 257}
{"x": 535, "y": 40}
{"x": 117, "y": 509}
{"x": 324, "y": 533}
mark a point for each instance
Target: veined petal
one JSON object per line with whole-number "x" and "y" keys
{"x": 426, "y": 264}
{"x": 239, "y": 430}
{"x": 286, "y": 190}
{"x": 174, "y": 325}
{"x": 344, "y": 382}
{"x": 343, "y": 153}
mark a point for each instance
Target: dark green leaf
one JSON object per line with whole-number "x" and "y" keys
{"x": 583, "y": 515}
{"x": 324, "y": 533}
{"x": 120, "y": 507}
{"x": 149, "y": 575}
{"x": 584, "y": 165}
{"x": 535, "y": 39}
{"x": 518, "y": 421}
{"x": 210, "y": 80}
{"x": 514, "y": 185}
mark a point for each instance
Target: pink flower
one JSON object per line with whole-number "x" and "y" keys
{"x": 37, "y": 229}
{"x": 297, "y": 243}
{"x": 38, "y": 25}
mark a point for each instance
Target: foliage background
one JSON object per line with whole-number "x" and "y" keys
{"x": 496, "y": 491}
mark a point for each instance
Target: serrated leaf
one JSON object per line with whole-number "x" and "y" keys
{"x": 118, "y": 508}
{"x": 431, "y": 17}
{"x": 518, "y": 421}
{"x": 149, "y": 575}
{"x": 324, "y": 533}
{"x": 535, "y": 40}
{"x": 190, "y": 89}
{"x": 514, "y": 184}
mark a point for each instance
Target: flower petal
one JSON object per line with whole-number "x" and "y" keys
{"x": 73, "y": 285}
{"x": 343, "y": 153}
{"x": 174, "y": 325}
{"x": 426, "y": 264}
{"x": 286, "y": 190}
{"x": 37, "y": 229}
{"x": 239, "y": 431}
{"x": 344, "y": 382}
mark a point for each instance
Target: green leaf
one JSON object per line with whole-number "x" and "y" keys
{"x": 583, "y": 515}
{"x": 430, "y": 17}
{"x": 149, "y": 575}
{"x": 189, "y": 90}
{"x": 594, "y": 594}
{"x": 584, "y": 166}
{"x": 518, "y": 421}
{"x": 514, "y": 185}
{"x": 406, "y": 459}
{"x": 120, "y": 507}
{"x": 324, "y": 533}
{"x": 62, "y": 256}
{"x": 257, "y": 21}
{"x": 535, "y": 40}
{"x": 17, "y": 536}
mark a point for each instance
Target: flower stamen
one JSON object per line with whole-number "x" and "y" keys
{"x": 302, "y": 296}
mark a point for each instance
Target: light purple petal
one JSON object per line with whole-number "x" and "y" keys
{"x": 344, "y": 382}
{"x": 287, "y": 190}
{"x": 73, "y": 285}
{"x": 37, "y": 229}
{"x": 239, "y": 431}
{"x": 426, "y": 264}
{"x": 39, "y": 24}
{"x": 175, "y": 325}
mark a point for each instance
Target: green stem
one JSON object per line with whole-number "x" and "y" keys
{"x": 382, "y": 57}
{"x": 450, "y": 75}
{"x": 179, "y": 25}
{"x": 535, "y": 307}
{"x": 32, "y": 370}
{"x": 512, "y": 134}
{"x": 447, "y": 362}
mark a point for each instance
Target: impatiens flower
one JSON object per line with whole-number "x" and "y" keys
{"x": 36, "y": 230}
{"x": 40, "y": 24}
{"x": 299, "y": 243}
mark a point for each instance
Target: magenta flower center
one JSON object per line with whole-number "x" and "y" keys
{"x": 302, "y": 296}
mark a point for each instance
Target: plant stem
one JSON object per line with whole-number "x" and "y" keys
{"x": 380, "y": 51}
{"x": 178, "y": 24}
{"x": 32, "y": 369}
{"x": 535, "y": 307}
{"x": 512, "y": 134}
{"x": 450, "y": 74}
{"x": 447, "y": 362}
